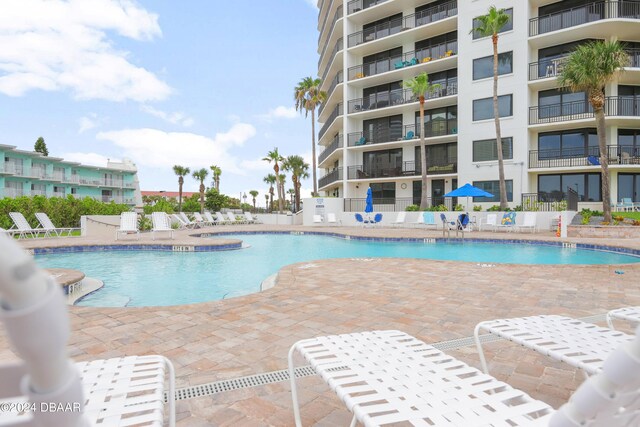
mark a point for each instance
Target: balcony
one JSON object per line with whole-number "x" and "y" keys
{"x": 58, "y": 176}
{"x": 422, "y": 56}
{"x": 112, "y": 183}
{"x": 634, "y": 57}
{"x": 11, "y": 168}
{"x": 547, "y": 68}
{"x": 428, "y": 16}
{"x": 61, "y": 194}
{"x": 337, "y": 111}
{"x": 331, "y": 177}
{"x": 583, "y": 157}
{"x": 337, "y": 16}
{"x": 13, "y": 192}
{"x": 335, "y": 144}
{"x": 339, "y": 78}
{"x": 71, "y": 179}
{"x": 357, "y": 5}
{"x": 397, "y": 97}
{"x": 337, "y": 48}
{"x": 583, "y": 14}
{"x": 621, "y": 106}
{"x": 38, "y": 192}
{"x": 399, "y": 204}
{"x": 410, "y": 168}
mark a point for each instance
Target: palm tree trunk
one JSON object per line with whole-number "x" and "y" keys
{"x": 423, "y": 158}
{"x": 271, "y": 200}
{"x": 201, "y": 198}
{"x": 297, "y": 191}
{"x": 496, "y": 118}
{"x": 313, "y": 152}
{"x": 604, "y": 162}
{"x": 180, "y": 182}
{"x": 276, "y": 169}
{"x": 296, "y": 195}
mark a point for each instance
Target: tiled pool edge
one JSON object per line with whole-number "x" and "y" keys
{"x": 136, "y": 247}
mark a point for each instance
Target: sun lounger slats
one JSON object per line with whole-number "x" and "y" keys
{"x": 128, "y": 224}
{"x": 628, "y": 314}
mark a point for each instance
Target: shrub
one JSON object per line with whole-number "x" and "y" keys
{"x": 191, "y": 204}
{"x": 144, "y": 223}
{"x": 412, "y": 208}
{"x": 160, "y": 206}
{"x": 458, "y": 208}
{"x": 635, "y": 222}
{"x": 494, "y": 208}
{"x": 439, "y": 208}
{"x": 618, "y": 218}
{"x": 477, "y": 208}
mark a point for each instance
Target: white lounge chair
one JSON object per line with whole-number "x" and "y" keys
{"x": 317, "y": 219}
{"x": 234, "y": 220}
{"x": 210, "y": 219}
{"x": 120, "y": 391}
{"x": 389, "y": 378}
{"x": 629, "y": 314}
{"x": 582, "y": 345}
{"x": 529, "y": 222}
{"x": 49, "y": 228}
{"x": 187, "y": 221}
{"x": 6, "y": 232}
{"x": 180, "y": 221}
{"x": 21, "y": 226}
{"x": 161, "y": 223}
{"x": 200, "y": 221}
{"x": 331, "y": 219}
{"x": 400, "y": 219}
{"x": 490, "y": 222}
{"x": 128, "y": 224}
{"x": 251, "y": 219}
{"x": 221, "y": 219}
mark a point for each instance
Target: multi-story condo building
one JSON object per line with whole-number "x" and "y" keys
{"x": 28, "y": 173}
{"x": 370, "y": 130}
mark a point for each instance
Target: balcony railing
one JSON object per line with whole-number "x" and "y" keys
{"x": 397, "y": 25}
{"x": 58, "y": 176}
{"x": 396, "y": 204}
{"x": 434, "y": 128}
{"x": 12, "y": 168}
{"x": 335, "y": 144}
{"x": 337, "y": 111}
{"x": 333, "y": 176}
{"x": 38, "y": 192}
{"x": 337, "y": 48}
{"x": 397, "y": 97}
{"x": 13, "y": 192}
{"x": 440, "y": 51}
{"x": 38, "y": 172}
{"x": 614, "y": 106}
{"x": 410, "y": 168}
{"x": 553, "y": 67}
{"x": 581, "y": 157}
{"x": 59, "y": 194}
{"x": 337, "y": 16}
{"x": 72, "y": 179}
{"x": 583, "y": 14}
{"x": 634, "y": 57}
{"x": 339, "y": 78}
{"x": 357, "y": 5}
{"x": 111, "y": 182}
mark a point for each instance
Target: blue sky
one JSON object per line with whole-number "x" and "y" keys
{"x": 195, "y": 82}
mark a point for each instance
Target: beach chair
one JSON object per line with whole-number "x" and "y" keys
{"x": 391, "y": 378}
{"x": 429, "y": 219}
{"x": 359, "y": 219}
{"x": 177, "y": 218}
{"x": 200, "y": 221}
{"x": 187, "y": 221}
{"x": 6, "y": 232}
{"x": 508, "y": 222}
{"x": 331, "y": 219}
{"x": 400, "y": 219}
{"x": 161, "y": 223}
{"x": 120, "y": 391}
{"x": 529, "y": 222}
{"x": 251, "y": 219}
{"x": 490, "y": 222}
{"x": 629, "y": 314}
{"x": 221, "y": 220}
{"x": 21, "y": 226}
{"x": 377, "y": 218}
{"x": 210, "y": 219}
{"x": 49, "y": 228}
{"x": 234, "y": 220}
{"x": 626, "y": 204}
{"x": 317, "y": 219}
{"x": 128, "y": 224}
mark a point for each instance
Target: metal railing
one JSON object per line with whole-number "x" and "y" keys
{"x": 58, "y": 176}
{"x": 335, "y": 144}
{"x": 567, "y": 111}
{"x": 542, "y": 202}
{"x": 583, "y": 14}
{"x": 408, "y": 22}
{"x": 431, "y": 129}
{"x": 61, "y": 194}
{"x": 337, "y": 16}
{"x": 38, "y": 172}
{"x": 337, "y": 111}
{"x": 337, "y": 48}
{"x": 38, "y": 192}
{"x": 357, "y": 5}
{"x": 546, "y": 68}
{"x": 439, "y": 51}
{"x": 339, "y": 78}
{"x": 581, "y": 157}
{"x": 397, "y": 97}
{"x": 634, "y": 57}
{"x": 572, "y": 199}
{"x": 395, "y": 204}
{"x": 72, "y": 179}
{"x": 12, "y": 168}
{"x": 13, "y": 192}
{"x": 333, "y": 176}
{"x": 409, "y": 168}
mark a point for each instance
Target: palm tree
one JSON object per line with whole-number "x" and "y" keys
{"x": 270, "y": 179}
{"x": 254, "y": 194}
{"x": 308, "y": 96}
{"x": 266, "y": 202}
{"x": 299, "y": 170}
{"x": 181, "y": 172}
{"x": 216, "y": 176}
{"x": 201, "y": 175}
{"x": 420, "y": 87}
{"x": 282, "y": 178}
{"x": 276, "y": 158}
{"x": 589, "y": 68}
{"x": 490, "y": 25}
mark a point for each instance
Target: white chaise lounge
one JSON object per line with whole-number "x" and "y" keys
{"x": 49, "y": 228}
{"x": 628, "y": 314}
{"x": 128, "y": 224}
{"x": 21, "y": 226}
{"x": 161, "y": 223}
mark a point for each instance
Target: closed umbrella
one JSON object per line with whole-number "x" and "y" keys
{"x": 368, "y": 208}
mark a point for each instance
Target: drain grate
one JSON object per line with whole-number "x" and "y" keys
{"x": 307, "y": 371}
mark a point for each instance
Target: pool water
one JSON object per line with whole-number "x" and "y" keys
{"x": 146, "y": 278}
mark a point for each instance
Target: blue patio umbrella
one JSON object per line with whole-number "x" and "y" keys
{"x": 467, "y": 191}
{"x": 369, "y": 202}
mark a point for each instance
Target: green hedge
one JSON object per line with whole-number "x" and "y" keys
{"x": 63, "y": 212}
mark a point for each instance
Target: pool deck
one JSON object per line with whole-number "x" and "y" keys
{"x": 433, "y": 300}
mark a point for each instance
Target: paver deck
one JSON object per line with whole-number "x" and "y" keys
{"x": 432, "y": 300}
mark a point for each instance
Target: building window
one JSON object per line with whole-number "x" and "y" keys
{"x": 486, "y": 150}
{"x": 483, "y": 67}
{"x": 437, "y": 47}
{"x": 382, "y": 96}
{"x": 383, "y": 191}
{"x": 381, "y": 62}
{"x": 382, "y": 163}
{"x": 439, "y": 121}
{"x": 442, "y": 158}
{"x": 382, "y": 28}
{"x": 569, "y": 143}
{"x": 483, "y": 108}
{"x": 556, "y": 102}
{"x": 629, "y": 186}
{"x": 552, "y": 188}
{"x": 384, "y": 129}
{"x": 629, "y": 141}
{"x": 493, "y": 187}
{"x": 507, "y": 27}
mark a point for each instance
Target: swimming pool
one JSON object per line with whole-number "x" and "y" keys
{"x": 147, "y": 278}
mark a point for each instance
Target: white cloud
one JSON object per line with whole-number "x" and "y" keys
{"x": 159, "y": 149}
{"x": 88, "y": 122}
{"x": 92, "y": 159}
{"x": 177, "y": 118}
{"x": 312, "y": 3}
{"x": 280, "y": 112}
{"x": 64, "y": 45}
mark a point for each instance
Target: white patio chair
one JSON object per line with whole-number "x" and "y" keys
{"x": 234, "y": 220}
{"x": 582, "y": 345}
{"x": 221, "y": 219}
{"x": 400, "y": 219}
{"x": 508, "y": 222}
{"x": 251, "y": 219}
{"x": 161, "y": 223}
{"x": 177, "y": 218}
{"x": 490, "y": 222}
{"x": 128, "y": 224}
{"x": 629, "y": 314}
{"x": 389, "y": 377}
{"x": 49, "y": 228}
{"x": 317, "y": 219}
{"x": 331, "y": 219}
{"x": 186, "y": 220}
{"x": 6, "y": 232}
{"x": 210, "y": 219}
{"x": 200, "y": 221}
{"x": 21, "y": 226}
{"x": 120, "y": 391}
{"x": 529, "y": 222}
